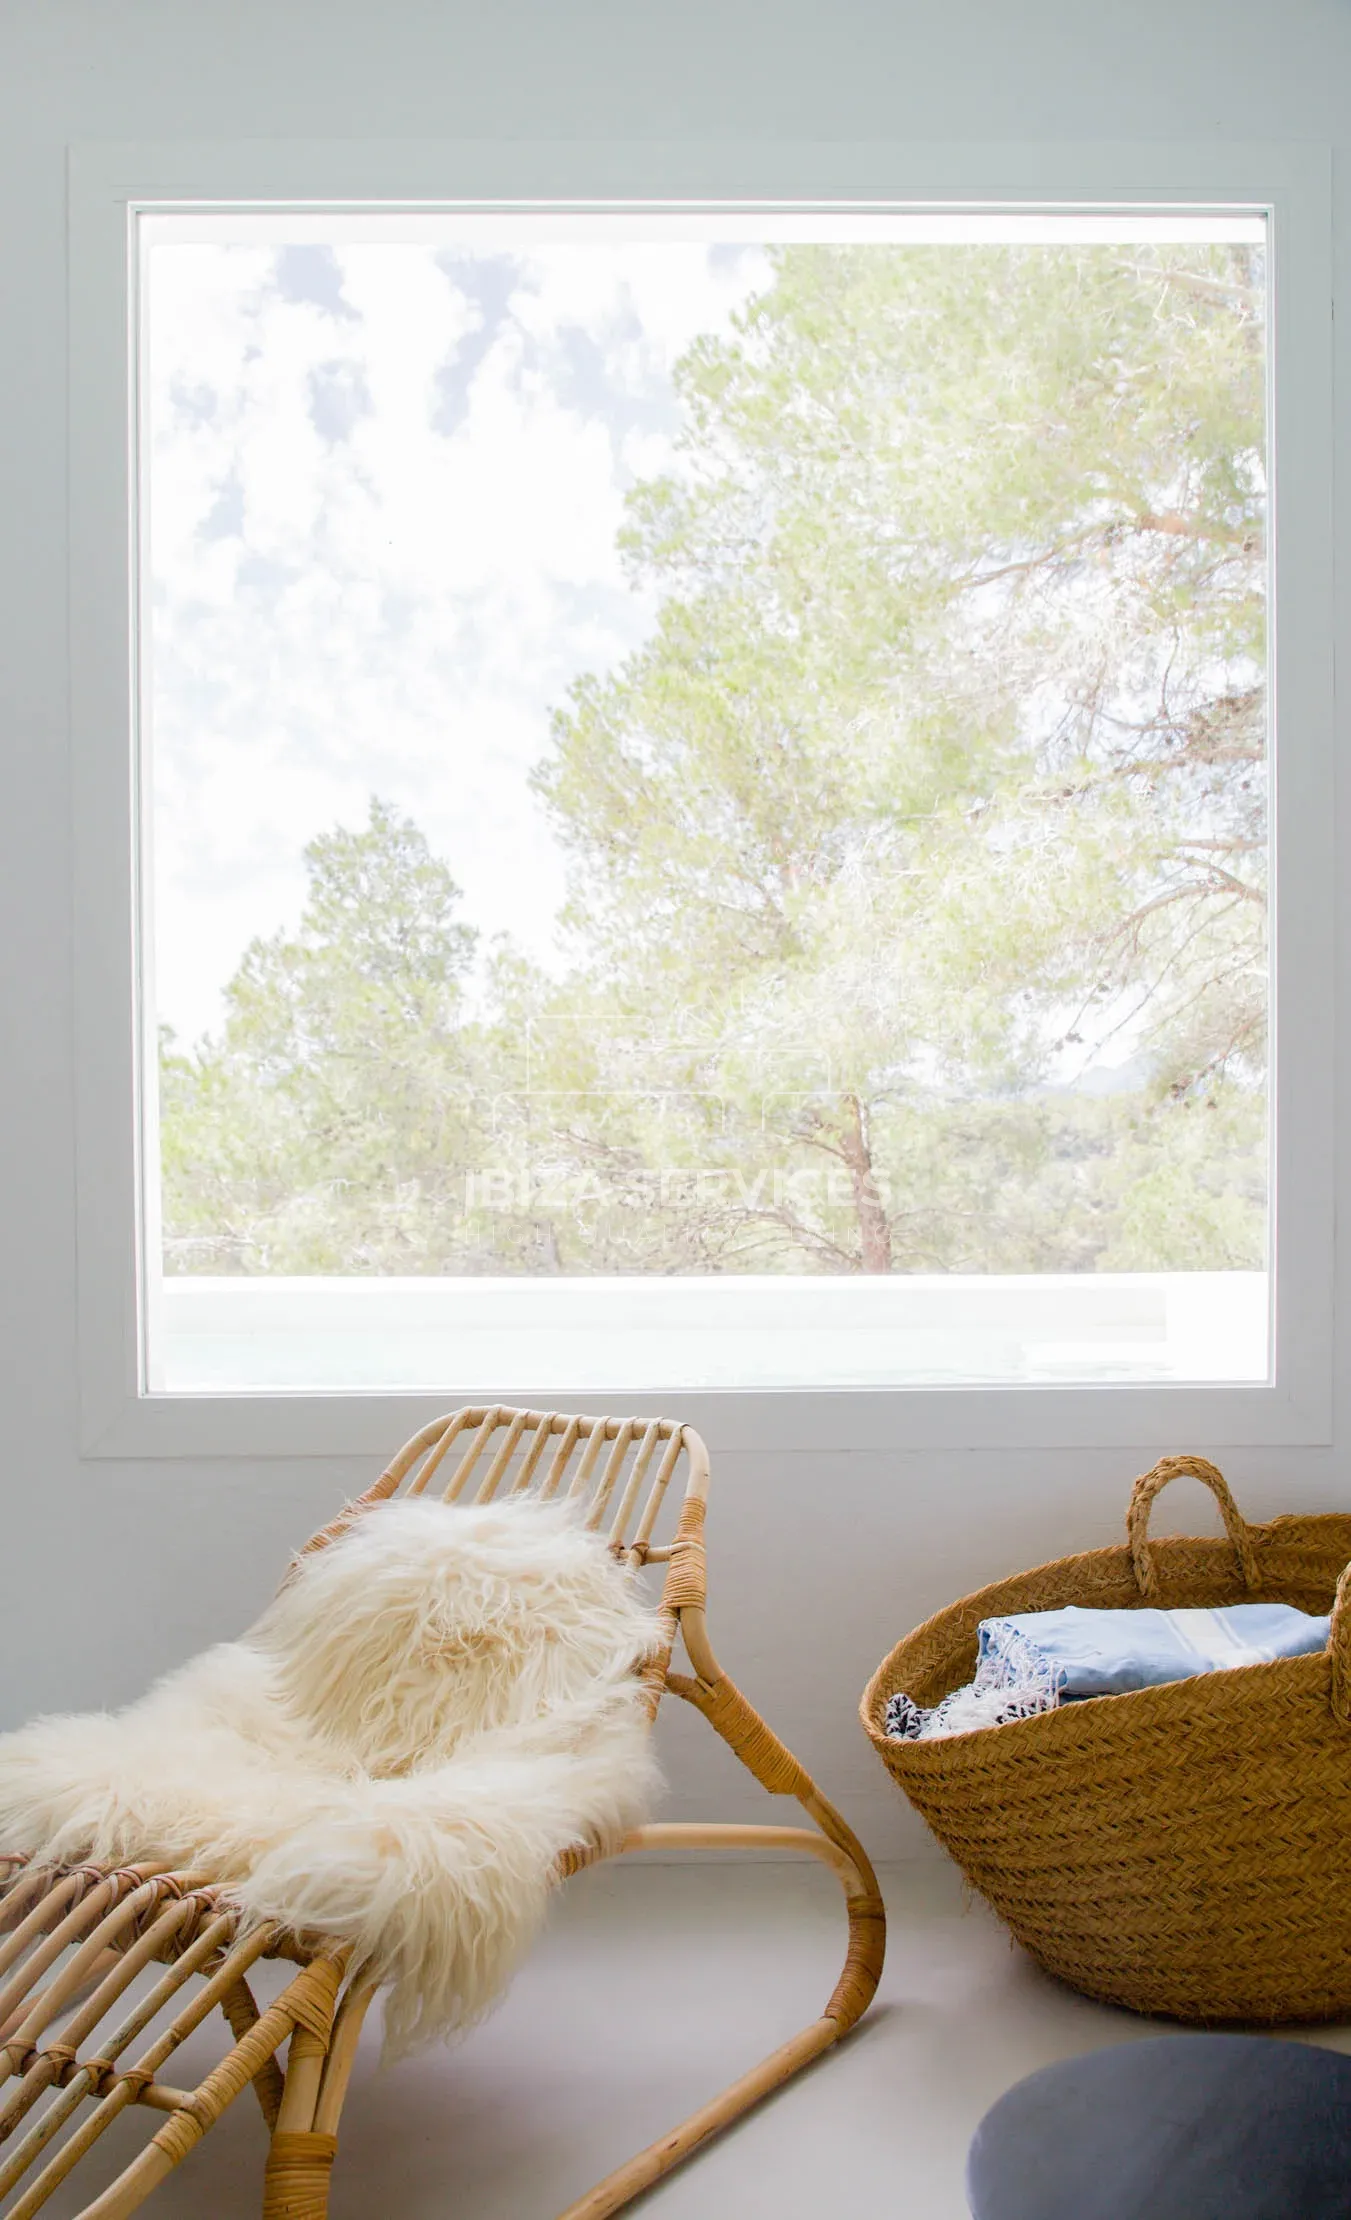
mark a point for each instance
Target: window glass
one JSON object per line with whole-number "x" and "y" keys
{"x": 706, "y": 797}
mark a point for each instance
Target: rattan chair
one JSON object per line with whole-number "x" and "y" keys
{"x": 79, "y": 1948}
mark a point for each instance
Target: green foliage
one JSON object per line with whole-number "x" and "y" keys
{"x": 332, "y": 1119}
{"x": 944, "y": 763}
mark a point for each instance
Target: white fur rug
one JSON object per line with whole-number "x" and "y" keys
{"x": 435, "y": 1707}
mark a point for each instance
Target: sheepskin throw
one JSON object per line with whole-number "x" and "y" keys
{"x": 434, "y": 1708}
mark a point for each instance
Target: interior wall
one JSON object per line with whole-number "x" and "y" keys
{"x": 112, "y": 1570}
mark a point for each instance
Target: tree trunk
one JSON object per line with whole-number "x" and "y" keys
{"x": 874, "y": 1227}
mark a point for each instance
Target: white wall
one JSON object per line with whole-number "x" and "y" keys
{"x": 111, "y": 1570}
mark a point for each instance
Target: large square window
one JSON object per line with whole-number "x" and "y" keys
{"x": 705, "y": 797}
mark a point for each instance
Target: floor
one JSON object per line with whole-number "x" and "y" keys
{"x": 656, "y": 1985}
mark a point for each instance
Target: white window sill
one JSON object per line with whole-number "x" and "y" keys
{"x": 252, "y": 1368}
{"x": 671, "y": 1337}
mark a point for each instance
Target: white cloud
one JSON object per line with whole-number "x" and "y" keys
{"x": 350, "y": 597}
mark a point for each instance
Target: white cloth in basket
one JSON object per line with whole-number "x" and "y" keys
{"x": 1034, "y": 1661}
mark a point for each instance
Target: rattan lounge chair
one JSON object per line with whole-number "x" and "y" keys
{"x": 80, "y": 1949}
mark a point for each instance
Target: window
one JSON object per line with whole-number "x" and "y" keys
{"x": 704, "y": 794}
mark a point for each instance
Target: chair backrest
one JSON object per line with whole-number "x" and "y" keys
{"x": 622, "y": 1468}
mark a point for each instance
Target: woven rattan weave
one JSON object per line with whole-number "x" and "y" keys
{"x": 104, "y": 1975}
{"x": 1184, "y": 1850}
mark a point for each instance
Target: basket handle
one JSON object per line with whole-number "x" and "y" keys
{"x": 1143, "y": 1493}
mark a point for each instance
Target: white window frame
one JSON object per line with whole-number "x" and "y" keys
{"x": 1291, "y": 184}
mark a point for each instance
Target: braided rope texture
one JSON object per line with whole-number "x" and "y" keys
{"x": 296, "y": 2183}
{"x": 1182, "y": 1850}
{"x": 747, "y": 1734}
{"x": 686, "y": 1585}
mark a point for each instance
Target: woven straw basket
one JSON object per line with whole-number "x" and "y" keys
{"x": 1184, "y": 1850}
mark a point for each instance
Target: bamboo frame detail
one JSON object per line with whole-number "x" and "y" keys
{"x": 74, "y": 1944}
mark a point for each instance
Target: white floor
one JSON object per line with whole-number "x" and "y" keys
{"x": 655, "y": 1986}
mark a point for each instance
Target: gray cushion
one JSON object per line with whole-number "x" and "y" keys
{"x": 1176, "y": 2127}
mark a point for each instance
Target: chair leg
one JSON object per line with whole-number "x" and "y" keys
{"x": 831, "y": 1841}
{"x": 305, "y": 2139}
{"x": 662, "y": 2157}
{"x": 298, "y": 2176}
{"x": 771, "y": 1762}
{"x": 299, "y": 2157}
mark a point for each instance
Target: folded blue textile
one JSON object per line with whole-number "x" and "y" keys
{"x": 1107, "y": 1653}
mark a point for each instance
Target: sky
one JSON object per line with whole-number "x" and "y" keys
{"x": 384, "y": 481}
